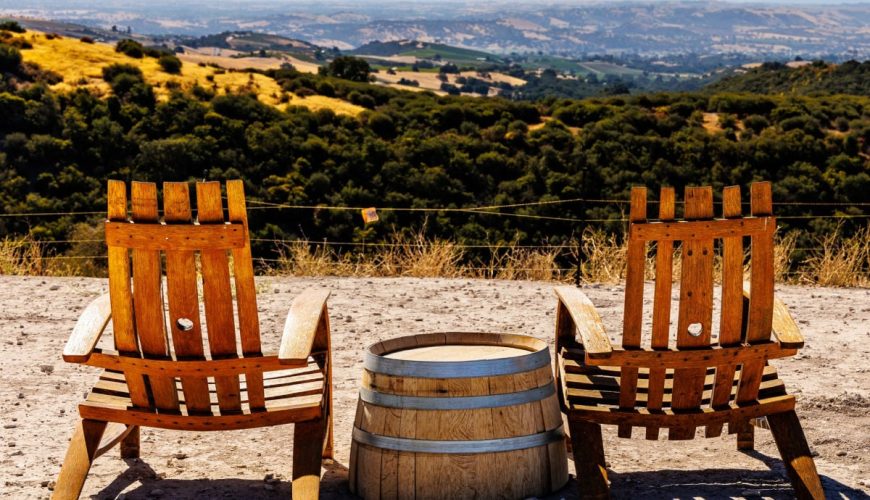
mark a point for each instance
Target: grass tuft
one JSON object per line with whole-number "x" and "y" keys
{"x": 838, "y": 260}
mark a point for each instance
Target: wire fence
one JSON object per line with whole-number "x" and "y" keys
{"x": 489, "y": 209}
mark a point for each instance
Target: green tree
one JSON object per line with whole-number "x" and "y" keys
{"x": 347, "y": 68}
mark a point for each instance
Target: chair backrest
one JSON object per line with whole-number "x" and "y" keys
{"x": 740, "y": 323}
{"x": 194, "y": 255}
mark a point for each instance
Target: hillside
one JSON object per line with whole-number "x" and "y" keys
{"x": 80, "y": 65}
{"x": 818, "y": 78}
{"x": 426, "y": 50}
{"x": 253, "y": 41}
{"x": 427, "y": 162}
{"x": 40, "y": 392}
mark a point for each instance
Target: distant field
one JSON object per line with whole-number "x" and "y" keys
{"x": 430, "y": 81}
{"x": 240, "y": 63}
{"x": 81, "y": 65}
{"x": 601, "y": 68}
{"x": 408, "y": 52}
{"x": 228, "y": 58}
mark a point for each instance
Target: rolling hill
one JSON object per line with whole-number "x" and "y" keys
{"x": 80, "y": 65}
{"x": 817, "y": 78}
{"x": 426, "y": 50}
{"x": 252, "y": 41}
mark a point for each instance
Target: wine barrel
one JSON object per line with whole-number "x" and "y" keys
{"x": 458, "y": 415}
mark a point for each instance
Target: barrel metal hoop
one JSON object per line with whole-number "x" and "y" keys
{"x": 457, "y": 369}
{"x": 454, "y": 447}
{"x": 456, "y": 402}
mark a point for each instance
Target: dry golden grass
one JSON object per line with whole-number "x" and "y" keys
{"x": 20, "y": 257}
{"x": 783, "y": 247}
{"x": 413, "y": 256}
{"x": 419, "y": 257}
{"x": 838, "y": 260}
{"x": 81, "y": 65}
{"x": 317, "y": 102}
{"x": 543, "y": 123}
{"x": 604, "y": 254}
{"x": 711, "y": 123}
{"x": 527, "y": 264}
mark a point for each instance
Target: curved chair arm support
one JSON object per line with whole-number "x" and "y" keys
{"x": 583, "y": 315}
{"x": 88, "y": 330}
{"x": 307, "y": 318}
{"x": 785, "y": 330}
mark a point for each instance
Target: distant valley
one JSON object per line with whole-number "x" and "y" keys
{"x": 649, "y": 30}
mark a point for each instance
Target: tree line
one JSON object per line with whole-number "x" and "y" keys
{"x": 420, "y": 150}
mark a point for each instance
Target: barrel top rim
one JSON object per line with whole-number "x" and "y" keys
{"x": 517, "y": 341}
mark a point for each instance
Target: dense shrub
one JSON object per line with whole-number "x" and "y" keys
{"x": 130, "y": 48}
{"x": 13, "y": 26}
{"x": 10, "y": 58}
{"x": 111, "y": 71}
{"x": 170, "y": 64}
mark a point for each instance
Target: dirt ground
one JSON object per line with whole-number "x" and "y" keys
{"x": 39, "y": 393}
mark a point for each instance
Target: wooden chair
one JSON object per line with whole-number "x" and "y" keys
{"x": 159, "y": 373}
{"x": 700, "y": 378}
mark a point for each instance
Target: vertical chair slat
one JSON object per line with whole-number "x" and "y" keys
{"x": 731, "y": 317}
{"x": 696, "y": 306}
{"x": 183, "y": 298}
{"x": 121, "y": 296}
{"x": 661, "y": 306}
{"x": 218, "y": 296}
{"x": 633, "y": 315}
{"x": 246, "y": 298}
{"x": 761, "y": 292}
{"x": 148, "y": 297}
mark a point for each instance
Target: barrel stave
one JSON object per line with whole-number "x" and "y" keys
{"x": 386, "y": 473}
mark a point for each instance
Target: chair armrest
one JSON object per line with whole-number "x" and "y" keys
{"x": 587, "y": 320}
{"x": 302, "y": 325}
{"x": 88, "y": 330}
{"x": 785, "y": 330}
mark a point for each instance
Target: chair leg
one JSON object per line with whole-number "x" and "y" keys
{"x": 307, "y": 455}
{"x": 588, "y": 448}
{"x": 328, "y": 445}
{"x": 746, "y": 437}
{"x": 130, "y": 444}
{"x": 79, "y": 457}
{"x": 796, "y": 456}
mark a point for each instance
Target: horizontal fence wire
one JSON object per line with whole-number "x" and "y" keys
{"x": 489, "y": 209}
{"x": 288, "y": 242}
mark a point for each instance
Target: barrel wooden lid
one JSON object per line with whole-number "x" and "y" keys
{"x": 457, "y": 353}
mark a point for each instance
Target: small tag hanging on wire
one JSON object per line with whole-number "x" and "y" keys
{"x": 370, "y": 215}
